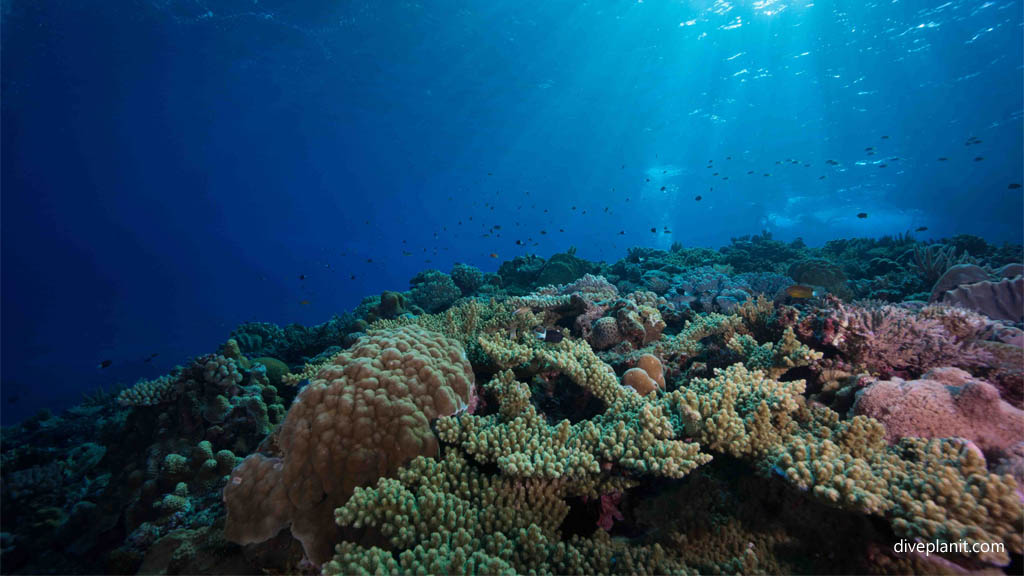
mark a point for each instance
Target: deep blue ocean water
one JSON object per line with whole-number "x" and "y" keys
{"x": 171, "y": 169}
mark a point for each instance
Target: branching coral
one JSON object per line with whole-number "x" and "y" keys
{"x": 445, "y": 517}
{"x": 891, "y": 340}
{"x": 937, "y": 489}
{"x": 632, "y": 433}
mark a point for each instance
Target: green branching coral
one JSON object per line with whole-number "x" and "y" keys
{"x": 573, "y": 358}
{"x": 633, "y": 433}
{"x": 932, "y": 489}
{"x": 773, "y": 358}
{"x": 447, "y": 517}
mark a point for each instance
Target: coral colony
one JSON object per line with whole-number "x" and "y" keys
{"x": 766, "y": 407}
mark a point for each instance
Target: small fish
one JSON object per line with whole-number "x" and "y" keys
{"x": 519, "y": 242}
{"x": 885, "y": 137}
{"x": 150, "y": 357}
{"x": 979, "y": 158}
{"x": 302, "y": 276}
{"x": 943, "y": 158}
{"x": 821, "y": 177}
{"x": 494, "y": 254}
{"x": 882, "y": 165}
{"x": 553, "y": 336}
{"x": 304, "y": 303}
{"x": 622, "y": 232}
{"x": 1013, "y": 186}
{"x": 698, "y": 198}
{"x": 921, "y": 229}
{"x": 662, "y": 188}
{"x": 12, "y": 399}
{"x": 869, "y": 149}
{"x": 352, "y": 277}
{"x": 105, "y": 364}
{"x": 654, "y": 230}
{"x": 369, "y": 260}
{"x": 750, "y": 171}
{"x": 862, "y": 215}
{"x": 802, "y": 291}
{"x": 831, "y": 162}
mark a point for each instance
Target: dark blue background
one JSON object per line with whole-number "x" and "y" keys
{"x": 170, "y": 169}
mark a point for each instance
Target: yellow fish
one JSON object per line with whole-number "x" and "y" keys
{"x": 801, "y": 291}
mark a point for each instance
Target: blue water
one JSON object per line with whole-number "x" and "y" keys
{"x": 170, "y": 169}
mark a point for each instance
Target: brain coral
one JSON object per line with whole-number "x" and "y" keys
{"x": 365, "y": 414}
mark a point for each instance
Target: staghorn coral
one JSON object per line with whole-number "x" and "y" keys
{"x": 448, "y": 517}
{"x": 364, "y": 416}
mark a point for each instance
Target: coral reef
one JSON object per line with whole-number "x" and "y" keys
{"x": 678, "y": 413}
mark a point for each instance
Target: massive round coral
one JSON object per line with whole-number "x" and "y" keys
{"x": 366, "y": 414}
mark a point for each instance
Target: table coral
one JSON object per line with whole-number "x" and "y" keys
{"x": 365, "y": 415}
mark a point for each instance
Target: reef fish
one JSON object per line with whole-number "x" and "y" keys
{"x": 553, "y": 336}
{"x": 802, "y": 291}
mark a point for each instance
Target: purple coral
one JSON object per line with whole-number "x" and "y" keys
{"x": 891, "y": 340}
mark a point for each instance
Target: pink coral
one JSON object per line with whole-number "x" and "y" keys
{"x": 947, "y": 402}
{"x": 591, "y": 287}
{"x": 366, "y": 414}
{"x": 893, "y": 340}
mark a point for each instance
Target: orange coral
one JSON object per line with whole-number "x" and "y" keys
{"x": 366, "y": 414}
{"x": 647, "y": 376}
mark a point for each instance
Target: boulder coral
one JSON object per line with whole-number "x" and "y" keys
{"x": 944, "y": 403}
{"x": 365, "y": 414}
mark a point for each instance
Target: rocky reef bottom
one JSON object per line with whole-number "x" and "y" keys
{"x": 762, "y": 408}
